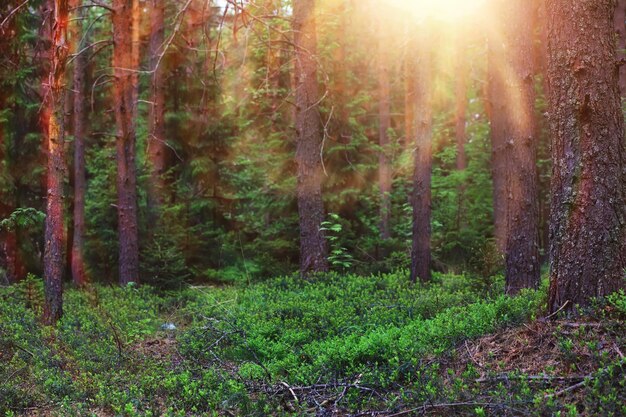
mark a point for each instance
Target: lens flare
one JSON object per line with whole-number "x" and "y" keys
{"x": 444, "y": 10}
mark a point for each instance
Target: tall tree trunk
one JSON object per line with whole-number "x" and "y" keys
{"x": 384, "y": 124}
{"x": 123, "y": 98}
{"x": 79, "y": 276}
{"x": 620, "y": 29}
{"x": 157, "y": 149}
{"x": 421, "y": 195}
{"x": 54, "y": 249}
{"x": 497, "y": 103}
{"x": 587, "y": 213}
{"x": 313, "y": 249}
{"x": 513, "y": 124}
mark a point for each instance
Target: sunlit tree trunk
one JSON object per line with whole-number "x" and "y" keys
{"x": 620, "y": 29}
{"x": 123, "y": 99}
{"x": 588, "y": 205}
{"x": 421, "y": 194}
{"x": 157, "y": 149}
{"x": 511, "y": 61}
{"x": 54, "y": 104}
{"x": 496, "y": 105}
{"x": 384, "y": 124}
{"x": 313, "y": 249}
{"x": 79, "y": 276}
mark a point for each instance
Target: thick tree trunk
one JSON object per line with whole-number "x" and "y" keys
{"x": 587, "y": 213}
{"x": 54, "y": 240}
{"x": 157, "y": 148}
{"x": 313, "y": 249}
{"x": 620, "y": 29}
{"x": 514, "y": 137}
{"x": 123, "y": 98}
{"x": 384, "y": 124}
{"x": 421, "y": 195}
{"x": 79, "y": 276}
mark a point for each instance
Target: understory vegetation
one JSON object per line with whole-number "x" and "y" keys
{"x": 331, "y": 345}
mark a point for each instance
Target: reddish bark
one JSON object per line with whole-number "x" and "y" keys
{"x": 10, "y": 258}
{"x": 587, "y": 126}
{"x": 421, "y": 196}
{"x": 313, "y": 248}
{"x": 513, "y": 124}
{"x": 157, "y": 149}
{"x": 79, "y": 276}
{"x": 123, "y": 98}
{"x": 620, "y": 29}
{"x": 497, "y": 103}
{"x": 54, "y": 240}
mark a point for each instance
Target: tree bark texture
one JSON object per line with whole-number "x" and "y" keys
{"x": 497, "y": 104}
{"x": 123, "y": 98}
{"x": 422, "y": 137}
{"x": 79, "y": 275}
{"x": 511, "y": 60}
{"x": 54, "y": 105}
{"x": 587, "y": 212}
{"x": 620, "y": 30}
{"x": 313, "y": 248}
{"x": 157, "y": 146}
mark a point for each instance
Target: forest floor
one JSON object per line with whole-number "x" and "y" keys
{"x": 338, "y": 345}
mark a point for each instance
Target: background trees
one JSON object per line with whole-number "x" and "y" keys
{"x": 250, "y": 138}
{"x": 514, "y": 141}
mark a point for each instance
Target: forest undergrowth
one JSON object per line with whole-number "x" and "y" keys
{"x": 333, "y": 345}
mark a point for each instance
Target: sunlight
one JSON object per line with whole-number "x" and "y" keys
{"x": 445, "y": 10}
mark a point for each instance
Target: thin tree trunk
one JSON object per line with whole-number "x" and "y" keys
{"x": 620, "y": 29}
{"x": 123, "y": 98}
{"x": 514, "y": 123}
{"x": 421, "y": 195}
{"x": 54, "y": 249}
{"x": 136, "y": 51}
{"x": 384, "y": 124}
{"x": 313, "y": 249}
{"x": 9, "y": 249}
{"x": 587, "y": 213}
{"x": 497, "y": 105}
{"x": 79, "y": 276}
{"x": 460, "y": 90}
{"x": 409, "y": 94}
{"x": 157, "y": 149}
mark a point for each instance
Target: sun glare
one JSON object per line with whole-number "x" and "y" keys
{"x": 446, "y": 10}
